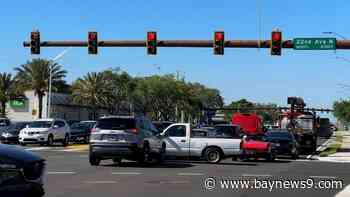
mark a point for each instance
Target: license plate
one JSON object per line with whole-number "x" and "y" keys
{"x": 30, "y": 133}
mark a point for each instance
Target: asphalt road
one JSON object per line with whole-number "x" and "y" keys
{"x": 69, "y": 174}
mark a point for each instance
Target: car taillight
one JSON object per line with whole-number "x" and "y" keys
{"x": 134, "y": 130}
{"x": 93, "y": 130}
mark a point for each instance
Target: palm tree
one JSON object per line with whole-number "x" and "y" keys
{"x": 34, "y": 75}
{"x": 7, "y": 90}
{"x": 91, "y": 90}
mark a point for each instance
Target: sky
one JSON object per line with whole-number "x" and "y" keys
{"x": 241, "y": 73}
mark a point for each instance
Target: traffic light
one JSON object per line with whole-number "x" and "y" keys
{"x": 151, "y": 43}
{"x": 276, "y": 43}
{"x": 219, "y": 42}
{"x": 35, "y": 42}
{"x": 92, "y": 43}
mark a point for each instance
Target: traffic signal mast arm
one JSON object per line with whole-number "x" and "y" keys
{"x": 341, "y": 44}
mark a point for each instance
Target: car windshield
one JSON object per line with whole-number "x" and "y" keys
{"x": 116, "y": 123}
{"x": 79, "y": 126}
{"x": 40, "y": 124}
{"x": 17, "y": 125}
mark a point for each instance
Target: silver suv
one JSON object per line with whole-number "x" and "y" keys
{"x": 125, "y": 137}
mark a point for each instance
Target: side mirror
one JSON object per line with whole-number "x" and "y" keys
{"x": 55, "y": 126}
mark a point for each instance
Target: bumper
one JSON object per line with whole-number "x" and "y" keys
{"x": 13, "y": 139}
{"x": 111, "y": 150}
{"x": 32, "y": 139}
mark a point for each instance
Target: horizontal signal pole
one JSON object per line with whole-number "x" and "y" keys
{"x": 341, "y": 44}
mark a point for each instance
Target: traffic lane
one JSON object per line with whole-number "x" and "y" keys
{"x": 175, "y": 177}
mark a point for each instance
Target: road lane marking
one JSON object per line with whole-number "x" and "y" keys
{"x": 38, "y": 148}
{"x": 256, "y": 175}
{"x": 126, "y": 173}
{"x": 174, "y": 182}
{"x": 190, "y": 174}
{"x": 100, "y": 182}
{"x": 57, "y": 172}
{"x": 323, "y": 177}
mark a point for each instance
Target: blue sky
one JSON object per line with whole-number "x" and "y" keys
{"x": 240, "y": 73}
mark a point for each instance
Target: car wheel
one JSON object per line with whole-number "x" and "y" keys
{"x": 270, "y": 157}
{"x": 161, "y": 155}
{"x": 50, "y": 140}
{"x": 145, "y": 154}
{"x": 23, "y": 144}
{"x": 94, "y": 161}
{"x": 213, "y": 155}
{"x": 117, "y": 161}
{"x": 87, "y": 139}
{"x": 65, "y": 141}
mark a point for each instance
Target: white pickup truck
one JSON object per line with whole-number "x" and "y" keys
{"x": 182, "y": 141}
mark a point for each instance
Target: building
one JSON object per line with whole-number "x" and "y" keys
{"x": 62, "y": 106}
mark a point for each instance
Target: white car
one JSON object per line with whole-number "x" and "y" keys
{"x": 45, "y": 131}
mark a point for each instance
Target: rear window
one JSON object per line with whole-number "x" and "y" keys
{"x": 116, "y": 123}
{"x": 279, "y": 134}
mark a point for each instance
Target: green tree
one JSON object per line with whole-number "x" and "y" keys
{"x": 91, "y": 90}
{"x": 34, "y": 75}
{"x": 7, "y": 90}
{"x": 120, "y": 86}
{"x": 342, "y": 110}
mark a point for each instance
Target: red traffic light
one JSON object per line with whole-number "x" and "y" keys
{"x": 151, "y": 36}
{"x": 219, "y": 36}
{"x": 276, "y": 36}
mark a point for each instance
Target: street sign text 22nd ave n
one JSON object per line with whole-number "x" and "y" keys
{"x": 314, "y": 43}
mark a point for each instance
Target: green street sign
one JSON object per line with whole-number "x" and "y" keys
{"x": 314, "y": 43}
{"x": 17, "y": 103}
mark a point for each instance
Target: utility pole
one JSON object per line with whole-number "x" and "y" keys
{"x": 59, "y": 56}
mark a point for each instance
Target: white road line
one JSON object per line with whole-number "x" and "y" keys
{"x": 256, "y": 175}
{"x": 57, "y": 172}
{"x": 344, "y": 193}
{"x": 190, "y": 174}
{"x": 38, "y": 148}
{"x": 174, "y": 182}
{"x": 323, "y": 177}
{"x": 126, "y": 173}
{"x": 100, "y": 182}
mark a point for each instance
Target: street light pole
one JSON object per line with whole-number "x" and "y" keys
{"x": 59, "y": 56}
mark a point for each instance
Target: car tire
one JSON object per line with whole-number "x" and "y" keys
{"x": 23, "y": 144}
{"x": 213, "y": 155}
{"x": 270, "y": 157}
{"x": 65, "y": 141}
{"x": 161, "y": 155}
{"x": 50, "y": 140}
{"x": 87, "y": 139}
{"x": 145, "y": 154}
{"x": 94, "y": 161}
{"x": 117, "y": 161}
{"x": 295, "y": 155}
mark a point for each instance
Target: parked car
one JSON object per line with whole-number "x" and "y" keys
{"x": 45, "y": 131}
{"x": 80, "y": 131}
{"x": 284, "y": 142}
{"x": 11, "y": 133}
{"x": 125, "y": 137}
{"x": 161, "y": 125}
{"x": 183, "y": 141}
{"x": 21, "y": 172}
